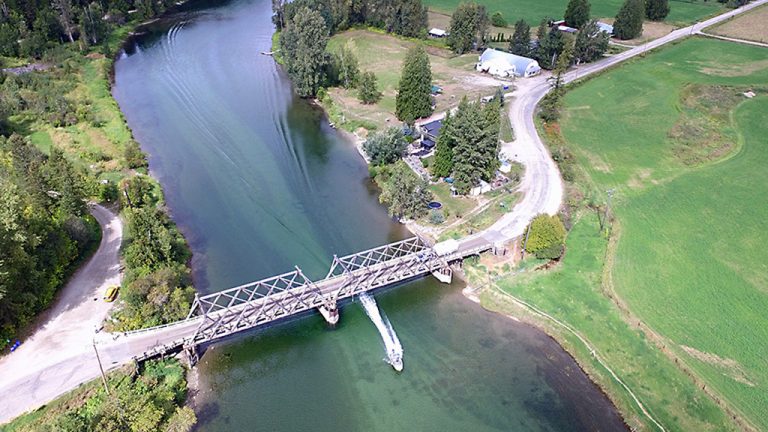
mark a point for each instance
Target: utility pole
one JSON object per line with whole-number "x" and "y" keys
{"x": 525, "y": 242}
{"x": 101, "y": 369}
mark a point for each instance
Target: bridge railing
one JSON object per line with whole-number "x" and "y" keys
{"x": 159, "y": 327}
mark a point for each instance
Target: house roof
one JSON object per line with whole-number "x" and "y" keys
{"x": 433, "y": 127}
{"x": 519, "y": 62}
{"x": 427, "y": 143}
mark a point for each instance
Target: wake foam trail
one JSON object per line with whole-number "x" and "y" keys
{"x": 394, "y": 349}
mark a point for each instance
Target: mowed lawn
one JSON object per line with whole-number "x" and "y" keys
{"x": 533, "y": 11}
{"x": 692, "y": 260}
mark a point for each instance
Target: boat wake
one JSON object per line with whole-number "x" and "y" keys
{"x": 392, "y": 344}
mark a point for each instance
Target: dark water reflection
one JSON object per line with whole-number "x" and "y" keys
{"x": 259, "y": 183}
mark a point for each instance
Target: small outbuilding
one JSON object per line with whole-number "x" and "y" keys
{"x": 438, "y": 33}
{"x": 607, "y": 28}
{"x": 503, "y": 64}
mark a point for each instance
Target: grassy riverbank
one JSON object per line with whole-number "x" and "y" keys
{"x": 149, "y": 399}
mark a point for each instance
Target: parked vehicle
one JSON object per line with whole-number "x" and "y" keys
{"x": 111, "y": 294}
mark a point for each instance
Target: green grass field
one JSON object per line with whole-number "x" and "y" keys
{"x": 572, "y": 293}
{"x": 533, "y": 11}
{"x": 691, "y": 259}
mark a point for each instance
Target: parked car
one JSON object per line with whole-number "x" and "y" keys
{"x": 111, "y": 294}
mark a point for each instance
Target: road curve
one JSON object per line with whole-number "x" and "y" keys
{"x": 542, "y": 185}
{"x": 67, "y": 328}
{"x": 60, "y": 356}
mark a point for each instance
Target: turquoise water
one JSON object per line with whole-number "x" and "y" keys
{"x": 259, "y": 183}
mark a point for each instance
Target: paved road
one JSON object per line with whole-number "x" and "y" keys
{"x": 60, "y": 355}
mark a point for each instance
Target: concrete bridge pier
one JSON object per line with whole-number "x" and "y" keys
{"x": 330, "y": 313}
{"x": 190, "y": 355}
{"x": 444, "y": 274}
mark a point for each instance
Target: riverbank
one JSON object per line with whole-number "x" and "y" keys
{"x": 99, "y": 142}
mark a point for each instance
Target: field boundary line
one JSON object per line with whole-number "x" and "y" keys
{"x": 592, "y": 350}
{"x": 731, "y": 39}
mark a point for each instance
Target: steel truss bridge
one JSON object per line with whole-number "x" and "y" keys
{"x": 220, "y": 314}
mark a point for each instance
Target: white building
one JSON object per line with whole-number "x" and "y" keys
{"x": 607, "y": 28}
{"x": 504, "y": 65}
{"x": 438, "y": 33}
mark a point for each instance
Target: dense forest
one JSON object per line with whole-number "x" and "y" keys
{"x": 45, "y": 229}
{"x": 403, "y": 17}
{"x": 30, "y": 27}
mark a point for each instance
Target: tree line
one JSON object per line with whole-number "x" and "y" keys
{"x": 28, "y": 28}
{"x": 306, "y": 25}
{"x": 45, "y": 229}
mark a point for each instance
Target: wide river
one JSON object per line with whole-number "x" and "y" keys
{"x": 259, "y": 183}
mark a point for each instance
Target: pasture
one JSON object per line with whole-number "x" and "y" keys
{"x": 572, "y": 292}
{"x": 750, "y": 26}
{"x": 533, "y": 11}
{"x": 686, "y": 153}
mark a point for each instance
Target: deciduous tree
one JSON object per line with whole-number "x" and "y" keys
{"x": 546, "y": 237}
{"x": 385, "y": 147}
{"x": 303, "y": 43}
{"x": 656, "y": 10}
{"x": 404, "y": 193}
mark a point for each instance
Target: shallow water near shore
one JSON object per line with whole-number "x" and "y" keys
{"x": 259, "y": 183}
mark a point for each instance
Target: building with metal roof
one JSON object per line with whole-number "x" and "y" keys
{"x": 503, "y": 64}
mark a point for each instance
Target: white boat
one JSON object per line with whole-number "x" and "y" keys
{"x": 396, "y": 360}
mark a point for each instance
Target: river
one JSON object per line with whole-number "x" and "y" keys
{"x": 258, "y": 183}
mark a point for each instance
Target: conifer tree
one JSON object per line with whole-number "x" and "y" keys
{"x": 446, "y": 141}
{"x": 469, "y": 25}
{"x": 520, "y": 43}
{"x": 414, "y": 98}
{"x": 656, "y": 10}
{"x": 475, "y": 133}
{"x": 368, "y": 91}
{"x": 577, "y": 13}
{"x": 629, "y": 20}
{"x": 591, "y": 43}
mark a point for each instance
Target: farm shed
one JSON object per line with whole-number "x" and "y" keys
{"x": 438, "y": 33}
{"x": 502, "y": 64}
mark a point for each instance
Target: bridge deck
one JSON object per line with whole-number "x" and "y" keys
{"x": 223, "y": 313}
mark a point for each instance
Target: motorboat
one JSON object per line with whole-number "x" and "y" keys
{"x": 396, "y": 360}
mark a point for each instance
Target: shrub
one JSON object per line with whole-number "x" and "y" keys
{"x": 497, "y": 20}
{"x": 546, "y": 237}
{"x": 134, "y": 157}
{"x": 436, "y": 217}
